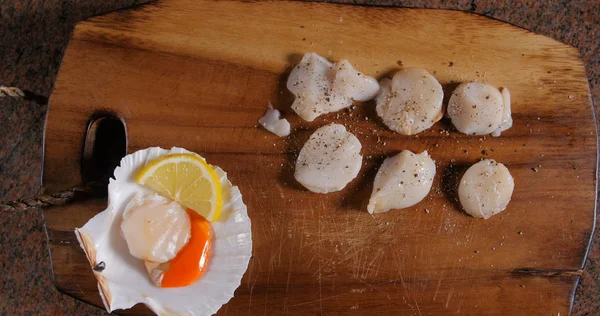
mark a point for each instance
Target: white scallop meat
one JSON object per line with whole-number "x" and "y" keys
{"x": 479, "y": 109}
{"x": 322, "y": 87}
{"x": 507, "y": 120}
{"x": 329, "y": 160}
{"x": 155, "y": 228}
{"x": 485, "y": 189}
{"x": 272, "y": 123}
{"x": 411, "y": 102}
{"x": 402, "y": 181}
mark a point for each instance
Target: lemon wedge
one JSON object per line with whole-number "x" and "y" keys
{"x": 187, "y": 179}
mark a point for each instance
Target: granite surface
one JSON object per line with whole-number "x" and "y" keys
{"x": 33, "y": 38}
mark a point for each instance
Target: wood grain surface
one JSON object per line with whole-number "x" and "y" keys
{"x": 199, "y": 74}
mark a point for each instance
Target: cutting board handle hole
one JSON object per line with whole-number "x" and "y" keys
{"x": 104, "y": 146}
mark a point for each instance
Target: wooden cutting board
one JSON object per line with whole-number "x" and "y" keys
{"x": 198, "y": 74}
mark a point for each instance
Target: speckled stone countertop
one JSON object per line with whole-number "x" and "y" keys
{"x": 33, "y": 38}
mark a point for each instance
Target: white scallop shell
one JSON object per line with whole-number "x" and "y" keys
{"x": 124, "y": 282}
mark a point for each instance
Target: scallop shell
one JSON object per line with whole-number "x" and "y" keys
{"x": 124, "y": 282}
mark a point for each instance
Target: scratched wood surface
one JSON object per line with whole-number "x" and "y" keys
{"x": 198, "y": 74}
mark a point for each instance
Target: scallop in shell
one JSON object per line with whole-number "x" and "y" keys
{"x": 124, "y": 281}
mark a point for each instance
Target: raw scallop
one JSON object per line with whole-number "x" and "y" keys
{"x": 272, "y": 123}
{"x": 329, "y": 159}
{"x": 322, "y": 87}
{"x": 402, "y": 181}
{"x": 155, "y": 228}
{"x": 480, "y": 109}
{"x": 507, "y": 120}
{"x": 485, "y": 189}
{"x": 411, "y": 102}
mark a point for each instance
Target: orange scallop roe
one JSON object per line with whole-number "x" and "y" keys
{"x": 191, "y": 261}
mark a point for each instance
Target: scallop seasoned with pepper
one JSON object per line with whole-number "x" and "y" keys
{"x": 322, "y": 87}
{"x": 329, "y": 160}
{"x": 411, "y": 102}
{"x": 485, "y": 189}
{"x": 480, "y": 109}
{"x": 402, "y": 181}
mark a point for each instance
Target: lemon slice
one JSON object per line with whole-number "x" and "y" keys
{"x": 187, "y": 179}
